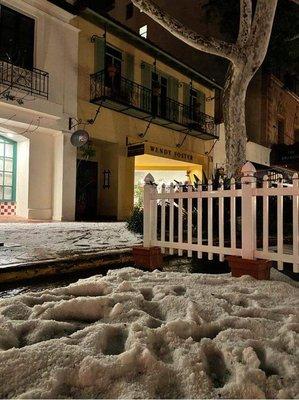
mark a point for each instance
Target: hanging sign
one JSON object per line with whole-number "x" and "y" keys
{"x": 158, "y": 150}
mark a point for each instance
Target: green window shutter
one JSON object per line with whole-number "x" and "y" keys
{"x": 99, "y": 54}
{"x": 173, "y": 88}
{"x": 173, "y": 94}
{"x": 146, "y": 81}
{"x": 129, "y": 66}
{"x": 202, "y": 101}
{"x": 146, "y": 75}
{"x": 186, "y": 100}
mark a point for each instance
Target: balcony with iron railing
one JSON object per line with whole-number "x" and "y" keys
{"x": 123, "y": 95}
{"x": 33, "y": 81}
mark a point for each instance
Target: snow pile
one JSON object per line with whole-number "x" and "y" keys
{"x": 25, "y": 242}
{"x": 133, "y": 334}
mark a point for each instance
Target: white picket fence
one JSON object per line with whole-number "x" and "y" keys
{"x": 187, "y": 234}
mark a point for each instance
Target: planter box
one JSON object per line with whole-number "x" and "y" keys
{"x": 258, "y": 269}
{"x": 148, "y": 257}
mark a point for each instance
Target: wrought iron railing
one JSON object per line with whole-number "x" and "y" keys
{"x": 34, "y": 81}
{"x": 122, "y": 90}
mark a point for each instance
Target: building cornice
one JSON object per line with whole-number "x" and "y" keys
{"x": 282, "y": 86}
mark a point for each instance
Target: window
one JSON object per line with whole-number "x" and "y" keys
{"x": 129, "y": 10}
{"x": 16, "y": 37}
{"x": 143, "y": 31}
{"x": 113, "y": 61}
{"x": 7, "y": 169}
{"x": 280, "y": 131}
{"x": 195, "y": 105}
{"x": 113, "y": 57}
{"x": 159, "y": 94}
{"x": 102, "y": 6}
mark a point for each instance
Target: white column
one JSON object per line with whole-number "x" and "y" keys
{"x": 40, "y": 182}
{"x": 148, "y": 215}
{"x": 64, "y": 178}
{"x": 221, "y": 220}
{"x": 248, "y": 211}
{"x": 210, "y": 220}
{"x": 22, "y": 178}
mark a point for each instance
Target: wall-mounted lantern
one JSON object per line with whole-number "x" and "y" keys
{"x": 106, "y": 174}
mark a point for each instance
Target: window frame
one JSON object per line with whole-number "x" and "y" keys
{"x": 129, "y": 11}
{"x": 119, "y": 58}
{"x": 14, "y": 170}
{"x": 25, "y": 15}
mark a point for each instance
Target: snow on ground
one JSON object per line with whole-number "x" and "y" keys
{"x": 25, "y": 242}
{"x": 133, "y": 334}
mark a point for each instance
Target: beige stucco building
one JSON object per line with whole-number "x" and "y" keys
{"x": 155, "y": 115}
{"x": 144, "y": 112}
{"x": 38, "y": 94}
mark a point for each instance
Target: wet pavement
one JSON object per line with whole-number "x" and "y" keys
{"x": 31, "y": 242}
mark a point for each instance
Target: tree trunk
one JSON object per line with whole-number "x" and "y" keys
{"x": 234, "y": 96}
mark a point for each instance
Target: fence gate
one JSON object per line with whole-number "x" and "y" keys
{"x": 250, "y": 219}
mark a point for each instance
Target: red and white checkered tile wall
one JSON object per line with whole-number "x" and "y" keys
{"x": 7, "y": 208}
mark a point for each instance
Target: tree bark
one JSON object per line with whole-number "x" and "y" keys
{"x": 234, "y": 96}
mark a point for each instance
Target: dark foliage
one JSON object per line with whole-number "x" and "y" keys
{"x": 135, "y": 222}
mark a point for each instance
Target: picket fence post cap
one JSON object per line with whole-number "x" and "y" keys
{"x": 248, "y": 169}
{"x": 149, "y": 179}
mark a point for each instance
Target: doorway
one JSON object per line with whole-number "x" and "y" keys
{"x": 159, "y": 102}
{"x": 113, "y": 59}
{"x": 86, "y": 190}
{"x": 164, "y": 170}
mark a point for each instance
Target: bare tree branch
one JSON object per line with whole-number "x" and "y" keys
{"x": 292, "y": 38}
{"x": 245, "y": 21}
{"x": 261, "y": 30}
{"x": 192, "y": 38}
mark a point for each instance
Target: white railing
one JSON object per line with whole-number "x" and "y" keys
{"x": 242, "y": 220}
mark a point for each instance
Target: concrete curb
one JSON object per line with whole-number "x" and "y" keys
{"x": 44, "y": 268}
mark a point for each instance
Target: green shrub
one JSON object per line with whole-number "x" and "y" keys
{"x": 135, "y": 222}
